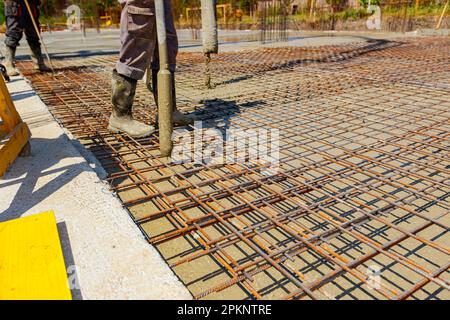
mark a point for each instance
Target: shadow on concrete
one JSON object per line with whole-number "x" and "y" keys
{"x": 36, "y": 119}
{"x": 217, "y": 113}
{"x": 22, "y": 95}
{"x": 69, "y": 261}
{"x": 26, "y": 172}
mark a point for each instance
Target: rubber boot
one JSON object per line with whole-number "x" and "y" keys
{"x": 121, "y": 120}
{"x": 38, "y": 60}
{"x": 179, "y": 118}
{"x": 10, "y": 56}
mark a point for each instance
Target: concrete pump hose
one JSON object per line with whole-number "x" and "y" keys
{"x": 209, "y": 26}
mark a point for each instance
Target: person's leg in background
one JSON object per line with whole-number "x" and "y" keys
{"x": 14, "y": 32}
{"x": 33, "y": 37}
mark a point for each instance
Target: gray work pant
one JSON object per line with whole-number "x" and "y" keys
{"x": 18, "y": 22}
{"x": 138, "y": 37}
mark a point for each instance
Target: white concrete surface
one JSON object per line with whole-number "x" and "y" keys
{"x": 111, "y": 257}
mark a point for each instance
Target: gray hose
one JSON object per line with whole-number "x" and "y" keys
{"x": 165, "y": 98}
{"x": 209, "y": 35}
{"x": 209, "y": 26}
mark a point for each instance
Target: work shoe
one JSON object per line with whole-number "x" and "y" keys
{"x": 10, "y": 55}
{"x": 179, "y": 118}
{"x": 121, "y": 120}
{"x": 128, "y": 125}
{"x": 38, "y": 60}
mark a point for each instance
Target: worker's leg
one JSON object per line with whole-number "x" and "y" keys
{"x": 138, "y": 38}
{"x": 33, "y": 37}
{"x": 14, "y": 32}
{"x": 172, "y": 50}
{"x": 137, "y": 34}
{"x": 121, "y": 120}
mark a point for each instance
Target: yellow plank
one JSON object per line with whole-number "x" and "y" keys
{"x": 31, "y": 261}
{"x": 12, "y": 144}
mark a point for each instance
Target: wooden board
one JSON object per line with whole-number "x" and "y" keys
{"x": 31, "y": 259}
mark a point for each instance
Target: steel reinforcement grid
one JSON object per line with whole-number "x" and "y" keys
{"x": 358, "y": 208}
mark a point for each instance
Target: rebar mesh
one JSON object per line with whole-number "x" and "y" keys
{"x": 359, "y": 208}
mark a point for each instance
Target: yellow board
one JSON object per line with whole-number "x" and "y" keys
{"x": 31, "y": 261}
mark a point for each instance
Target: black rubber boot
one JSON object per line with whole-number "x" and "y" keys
{"x": 179, "y": 118}
{"x": 10, "y": 57}
{"x": 38, "y": 60}
{"x": 121, "y": 120}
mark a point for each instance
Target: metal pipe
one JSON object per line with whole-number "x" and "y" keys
{"x": 209, "y": 26}
{"x": 165, "y": 98}
{"x": 209, "y": 35}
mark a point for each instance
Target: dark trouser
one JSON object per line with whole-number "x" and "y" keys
{"x": 18, "y": 21}
{"x": 138, "y": 37}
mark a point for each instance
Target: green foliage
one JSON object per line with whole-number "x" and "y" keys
{"x": 48, "y": 8}
{"x": 52, "y": 10}
{"x": 352, "y": 14}
{"x": 2, "y": 12}
{"x": 364, "y": 3}
{"x": 246, "y": 4}
{"x": 337, "y": 4}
